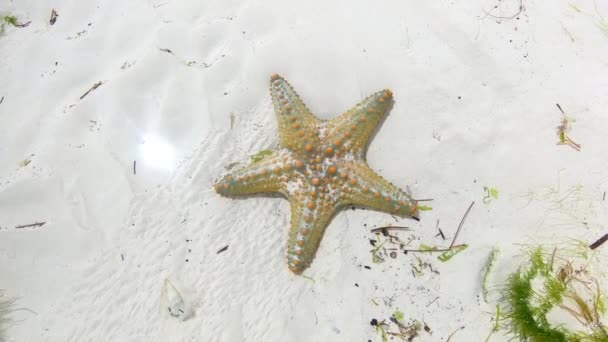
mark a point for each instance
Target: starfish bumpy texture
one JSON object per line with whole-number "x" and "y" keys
{"x": 319, "y": 167}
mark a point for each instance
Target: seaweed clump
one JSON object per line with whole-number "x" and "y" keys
{"x": 555, "y": 283}
{"x": 7, "y": 20}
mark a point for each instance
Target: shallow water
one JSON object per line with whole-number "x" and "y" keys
{"x": 121, "y": 175}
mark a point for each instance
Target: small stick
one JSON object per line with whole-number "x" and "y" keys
{"x": 599, "y": 242}
{"x": 135, "y": 167}
{"x": 572, "y": 143}
{"x": 35, "y": 225}
{"x": 399, "y": 325}
{"x": 424, "y": 200}
{"x": 24, "y": 25}
{"x": 452, "y": 334}
{"x": 95, "y": 86}
{"x": 223, "y": 249}
{"x": 440, "y": 231}
{"x": 434, "y": 300}
{"x": 379, "y": 229}
{"x": 560, "y": 108}
{"x": 603, "y": 197}
{"x": 2, "y": 100}
{"x": 461, "y": 224}
{"x": 453, "y": 240}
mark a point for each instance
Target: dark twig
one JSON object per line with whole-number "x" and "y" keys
{"x": 461, "y": 224}
{"x": 24, "y": 25}
{"x": 452, "y": 334}
{"x": 434, "y": 300}
{"x": 95, "y": 86}
{"x": 599, "y": 242}
{"x": 440, "y": 231}
{"x": 54, "y": 16}
{"x": 381, "y": 229}
{"x": 440, "y": 234}
{"x": 560, "y": 108}
{"x": 32, "y": 225}
{"x": 135, "y": 167}
{"x": 1, "y": 99}
{"x": 223, "y": 249}
{"x": 453, "y": 240}
{"x": 400, "y": 325}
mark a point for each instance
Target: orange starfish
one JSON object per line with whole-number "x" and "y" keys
{"x": 320, "y": 168}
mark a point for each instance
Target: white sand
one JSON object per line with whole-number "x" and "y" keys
{"x": 475, "y": 106}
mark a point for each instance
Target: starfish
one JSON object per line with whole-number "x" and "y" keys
{"x": 320, "y": 168}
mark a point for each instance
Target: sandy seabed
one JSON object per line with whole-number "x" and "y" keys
{"x": 122, "y": 176}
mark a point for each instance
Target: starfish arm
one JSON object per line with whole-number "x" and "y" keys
{"x": 309, "y": 218}
{"x": 265, "y": 176}
{"x": 355, "y": 127}
{"x": 366, "y": 188}
{"x": 297, "y": 125}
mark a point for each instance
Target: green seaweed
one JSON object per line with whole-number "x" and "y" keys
{"x": 574, "y": 7}
{"x": 399, "y": 315}
{"x": 425, "y": 207}
{"x": 602, "y": 25}
{"x": 488, "y": 269}
{"x": 447, "y": 255}
{"x": 527, "y": 321}
{"x": 24, "y": 162}
{"x": 263, "y": 154}
{"x": 8, "y": 20}
{"x": 376, "y": 257}
{"x": 600, "y": 304}
{"x": 491, "y": 192}
{"x": 496, "y": 326}
{"x": 565, "y": 126}
{"x": 561, "y": 286}
{"x": 381, "y": 329}
{"x": 424, "y": 247}
{"x": 309, "y": 278}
